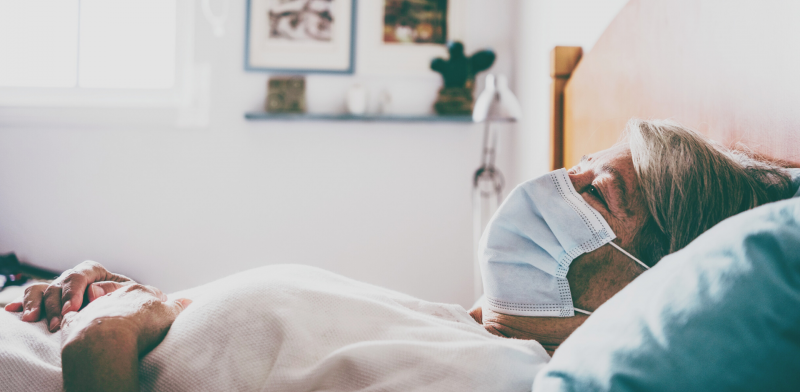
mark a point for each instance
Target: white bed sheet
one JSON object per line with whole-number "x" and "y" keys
{"x": 295, "y": 328}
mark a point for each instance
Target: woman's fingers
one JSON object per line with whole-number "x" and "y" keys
{"x": 52, "y": 306}
{"x": 181, "y": 304}
{"x": 65, "y": 294}
{"x": 99, "y": 289}
{"x": 75, "y": 281}
{"x": 163, "y": 297}
{"x": 160, "y": 322}
{"x": 15, "y": 306}
{"x": 174, "y": 308}
{"x": 170, "y": 311}
{"x": 32, "y": 302}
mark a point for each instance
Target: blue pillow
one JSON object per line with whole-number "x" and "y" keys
{"x": 721, "y": 314}
{"x": 795, "y": 174}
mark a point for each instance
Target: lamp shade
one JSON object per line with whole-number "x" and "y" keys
{"x": 496, "y": 101}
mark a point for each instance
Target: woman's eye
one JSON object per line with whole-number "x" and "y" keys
{"x": 595, "y": 192}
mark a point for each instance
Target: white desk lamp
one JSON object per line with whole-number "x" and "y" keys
{"x": 496, "y": 103}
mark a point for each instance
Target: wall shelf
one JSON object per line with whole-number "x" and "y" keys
{"x": 264, "y": 116}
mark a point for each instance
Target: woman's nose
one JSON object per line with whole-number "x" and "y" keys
{"x": 581, "y": 181}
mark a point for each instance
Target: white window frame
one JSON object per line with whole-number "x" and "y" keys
{"x": 76, "y": 97}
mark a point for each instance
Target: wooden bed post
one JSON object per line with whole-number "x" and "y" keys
{"x": 563, "y": 60}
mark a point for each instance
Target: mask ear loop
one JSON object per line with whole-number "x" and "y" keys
{"x": 629, "y": 255}
{"x": 586, "y": 312}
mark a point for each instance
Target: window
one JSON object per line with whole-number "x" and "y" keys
{"x": 94, "y": 52}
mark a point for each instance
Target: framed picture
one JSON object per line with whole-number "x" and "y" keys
{"x": 403, "y": 36}
{"x": 300, "y": 36}
{"x": 415, "y": 22}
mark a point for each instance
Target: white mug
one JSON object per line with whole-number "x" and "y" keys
{"x": 357, "y": 100}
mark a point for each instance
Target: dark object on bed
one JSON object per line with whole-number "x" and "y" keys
{"x": 11, "y": 271}
{"x": 15, "y": 273}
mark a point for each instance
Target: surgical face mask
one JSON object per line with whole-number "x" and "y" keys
{"x": 529, "y": 244}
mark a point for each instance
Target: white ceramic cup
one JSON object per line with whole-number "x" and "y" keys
{"x": 357, "y": 100}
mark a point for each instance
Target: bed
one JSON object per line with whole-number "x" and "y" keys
{"x": 727, "y": 69}
{"x": 713, "y": 65}
{"x": 719, "y": 314}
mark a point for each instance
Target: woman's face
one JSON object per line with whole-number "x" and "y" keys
{"x": 608, "y": 182}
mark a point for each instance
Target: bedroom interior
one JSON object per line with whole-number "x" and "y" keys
{"x": 138, "y": 193}
{"x": 369, "y": 182}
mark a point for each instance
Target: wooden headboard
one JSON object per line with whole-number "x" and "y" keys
{"x": 729, "y": 69}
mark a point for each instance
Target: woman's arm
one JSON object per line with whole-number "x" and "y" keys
{"x": 102, "y": 344}
{"x": 550, "y": 332}
{"x": 101, "y": 357}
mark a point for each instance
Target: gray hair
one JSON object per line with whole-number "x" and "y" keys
{"x": 690, "y": 183}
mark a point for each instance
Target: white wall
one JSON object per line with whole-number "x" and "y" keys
{"x": 544, "y": 25}
{"x": 385, "y": 203}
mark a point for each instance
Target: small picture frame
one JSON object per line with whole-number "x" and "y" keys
{"x": 300, "y": 36}
{"x": 286, "y": 94}
{"x": 402, "y": 37}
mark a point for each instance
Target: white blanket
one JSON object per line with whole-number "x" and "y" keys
{"x": 295, "y": 328}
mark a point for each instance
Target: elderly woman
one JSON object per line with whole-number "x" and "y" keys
{"x": 658, "y": 192}
{"x": 639, "y": 201}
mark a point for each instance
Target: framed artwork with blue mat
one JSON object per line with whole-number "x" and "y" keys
{"x": 300, "y": 36}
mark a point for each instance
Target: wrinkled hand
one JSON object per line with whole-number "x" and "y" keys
{"x": 143, "y": 311}
{"x": 102, "y": 344}
{"x": 66, "y": 293}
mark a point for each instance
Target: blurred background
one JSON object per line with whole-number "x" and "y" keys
{"x": 123, "y": 136}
